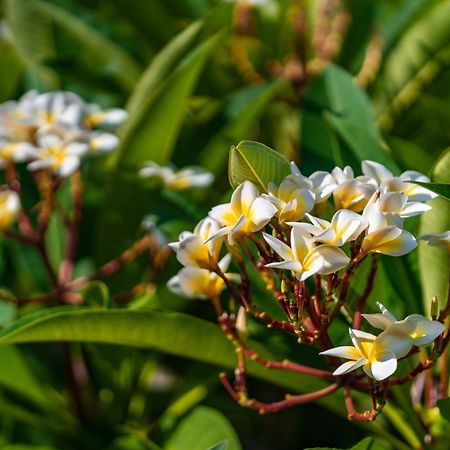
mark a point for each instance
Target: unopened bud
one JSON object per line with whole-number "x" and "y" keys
{"x": 241, "y": 324}
{"x": 434, "y": 307}
{"x": 283, "y": 286}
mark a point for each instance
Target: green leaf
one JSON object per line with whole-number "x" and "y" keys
{"x": 350, "y": 113}
{"x": 93, "y": 45}
{"x": 442, "y": 189}
{"x": 257, "y": 163}
{"x": 174, "y": 333}
{"x": 202, "y": 429}
{"x": 254, "y": 100}
{"x": 11, "y": 71}
{"x": 444, "y": 407}
{"x": 33, "y": 39}
{"x": 149, "y": 135}
{"x": 433, "y": 261}
{"x": 161, "y": 66}
{"x": 55, "y": 239}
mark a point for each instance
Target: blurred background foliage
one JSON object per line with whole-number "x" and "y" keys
{"x": 323, "y": 82}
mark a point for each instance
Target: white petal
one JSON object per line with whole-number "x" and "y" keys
{"x": 414, "y": 209}
{"x": 279, "y": 247}
{"x": 329, "y": 258}
{"x": 287, "y": 265}
{"x": 376, "y": 171}
{"x": 395, "y": 340}
{"x": 384, "y": 366}
{"x": 260, "y": 213}
{"x": 248, "y": 195}
{"x": 346, "y": 351}
{"x": 423, "y": 331}
{"x": 349, "y": 366}
{"x": 104, "y": 142}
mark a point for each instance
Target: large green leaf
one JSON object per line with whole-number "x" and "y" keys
{"x": 444, "y": 407}
{"x": 252, "y": 104}
{"x": 366, "y": 444}
{"x": 433, "y": 261}
{"x": 149, "y": 134}
{"x": 201, "y": 429}
{"x": 350, "y": 113}
{"x": 160, "y": 67}
{"x": 257, "y": 163}
{"x": 175, "y": 333}
{"x": 93, "y": 45}
{"x": 417, "y": 60}
{"x": 11, "y": 70}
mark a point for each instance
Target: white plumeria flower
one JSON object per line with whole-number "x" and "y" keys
{"x": 304, "y": 258}
{"x": 292, "y": 198}
{"x": 192, "y": 248}
{"x": 247, "y": 212}
{"x": 345, "y": 226}
{"x": 389, "y": 183}
{"x": 101, "y": 142}
{"x": 9, "y": 208}
{"x": 419, "y": 329}
{"x": 57, "y": 154}
{"x": 188, "y": 177}
{"x": 110, "y": 118}
{"x": 395, "y": 206}
{"x": 376, "y": 355}
{"x": 324, "y": 185}
{"x": 194, "y": 282}
{"x": 353, "y": 194}
{"x": 382, "y": 236}
{"x": 438, "y": 239}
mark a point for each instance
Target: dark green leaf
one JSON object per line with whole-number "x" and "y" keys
{"x": 257, "y": 163}
{"x": 444, "y": 407}
{"x": 442, "y": 189}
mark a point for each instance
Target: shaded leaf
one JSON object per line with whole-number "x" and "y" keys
{"x": 444, "y": 407}
{"x": 257, "y": 163}
{"x": 202, "y": 429}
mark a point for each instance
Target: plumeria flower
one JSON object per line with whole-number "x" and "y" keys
{"x": 193, "y": 282}
{"x": 353, "y": 195}
{"x": 419, "y": 329}
{"x": 188, "y": 177}
{"x": 60, "y": 155}
{"x": 376, "y": 355}
{"x": 395, "y": 206}
{"x": 102, "y": 142}
{"x": 438, "y": 239}
{"x": 9, "y": 208}
{"x": 192, "y": 248}
{"x": 383, "y": 237}
{"x": 304, "y": 258}
{"x": 389, "y": 183}
{"x": 110, "y": 118}
{"x": 246, "y": 213}
{"x": 322, "y": 184}
{"x": 345, "y": 226}
{"x": 292, "y": 198}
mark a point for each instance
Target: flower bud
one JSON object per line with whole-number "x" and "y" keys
{"x": 241, "y": 324}
{"x": 434, "y": 307}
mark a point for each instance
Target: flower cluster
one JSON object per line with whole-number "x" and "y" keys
{"x": 55, "y": 130}
{"x": 310, "y": 234}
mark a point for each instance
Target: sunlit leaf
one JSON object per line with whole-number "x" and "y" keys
{"x": 257, "y": 163}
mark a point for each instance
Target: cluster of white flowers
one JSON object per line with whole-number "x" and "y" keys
{"x": 55, "y": 130}
{"x": 378, "y": 355}
{"x": 369, "y": 212}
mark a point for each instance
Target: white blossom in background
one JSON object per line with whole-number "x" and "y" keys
{"x": 383, "y": 237}
{"x": 246, "y": 213}
{"x": 185, "y": 178}
{"x": 193, "y": 250}
{"x": 9, "y": 208}
{"x": 58, "y": 154}
{"x": 304, "y": 258}
{"x": 293, "y": 198}
{"x": 345, "y": 226}
{"x": 194, "y": 282}
{"x": 389, "y": 183}
{"x": 421, "y": 330}
{"x": 15, "y": 152}
{"x": 438, "y": 239}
